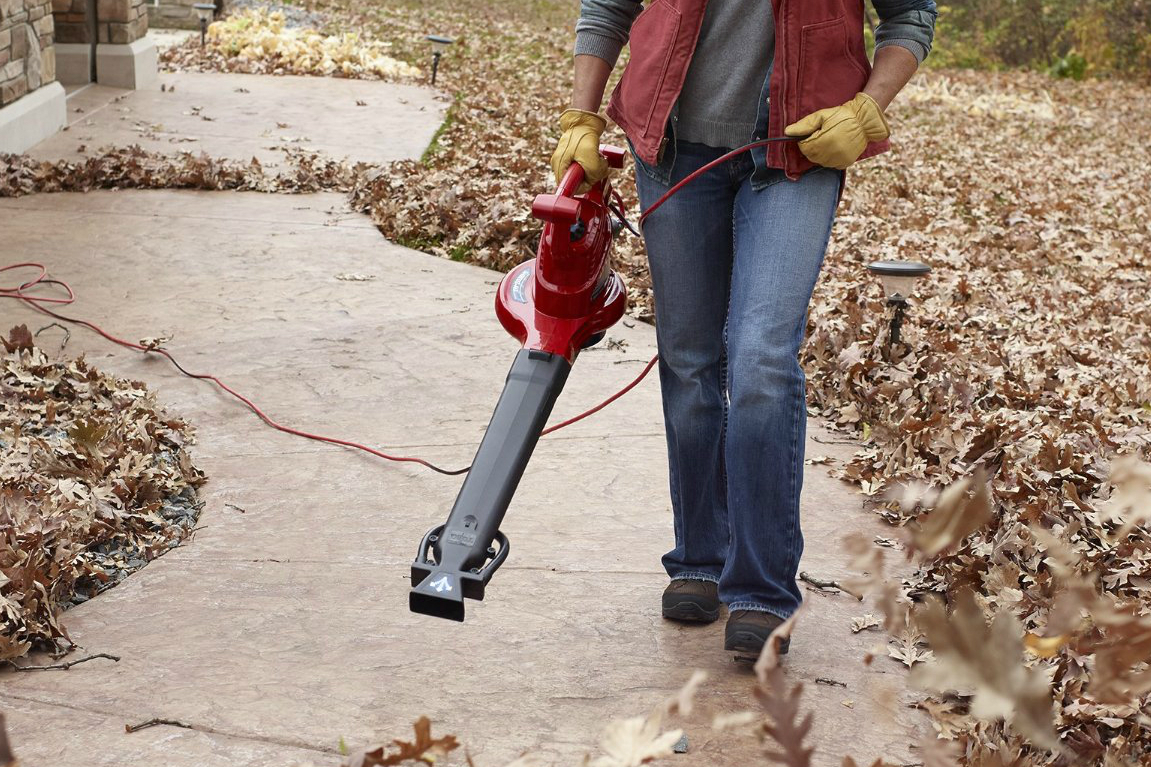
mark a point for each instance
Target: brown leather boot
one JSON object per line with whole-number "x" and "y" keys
{"x": 692, "y": 601}
{"x": 747, "y": 633}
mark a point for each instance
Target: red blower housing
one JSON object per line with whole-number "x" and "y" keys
{"x": 567, "y": 296}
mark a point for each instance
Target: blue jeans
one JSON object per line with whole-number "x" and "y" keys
{"x": 733, "y": 268}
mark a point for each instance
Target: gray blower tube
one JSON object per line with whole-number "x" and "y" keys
{"x": 464, "y": 545}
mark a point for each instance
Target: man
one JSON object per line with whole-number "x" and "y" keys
{"x": 734, "y": 256}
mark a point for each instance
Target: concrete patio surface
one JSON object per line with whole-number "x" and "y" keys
{"x": 238, "y": 117}
{"x": 283, "y": 626}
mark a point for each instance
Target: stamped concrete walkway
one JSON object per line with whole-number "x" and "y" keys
{"x": 238, "y": 117}
{"x": 283, "y": 627}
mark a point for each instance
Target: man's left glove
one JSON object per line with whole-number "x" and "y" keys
{"x": 838, "y": 135}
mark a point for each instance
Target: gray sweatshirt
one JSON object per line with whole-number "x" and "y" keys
{"x": 719, "y": 102}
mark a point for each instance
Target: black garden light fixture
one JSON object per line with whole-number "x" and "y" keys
{"x": 206, "y": 12}
{"x": 439, "y": 45}
{"x": 898, "y": 278}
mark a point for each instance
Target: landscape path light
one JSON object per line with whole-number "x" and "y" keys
{"x": 898, "y": 278}
{"x": 439, "y": 45}
{"x": 206, "y": 12}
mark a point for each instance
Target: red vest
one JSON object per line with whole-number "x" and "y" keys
{"x": 820, "y": 61}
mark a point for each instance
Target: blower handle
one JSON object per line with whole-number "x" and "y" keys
{"x": 563, "y": 207}
{"x": 574, "y": 175}
{"x": 571, "y": 180}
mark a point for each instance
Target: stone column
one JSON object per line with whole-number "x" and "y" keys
{"x": 75, "y": 40}
{"x": 125, "y": 58}
{"x": 32, "y": 105}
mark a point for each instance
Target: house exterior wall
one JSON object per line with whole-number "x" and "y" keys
{"x": 27, "y": 50}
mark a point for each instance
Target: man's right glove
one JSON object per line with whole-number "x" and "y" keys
{"x": 580, "y": 143}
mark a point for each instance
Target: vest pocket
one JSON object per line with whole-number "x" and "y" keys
{"x": 829, "y": 74}
{"x": 652, "y": 44}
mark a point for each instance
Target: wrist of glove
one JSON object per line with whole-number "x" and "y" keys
{"x": 837, "y": 136}
{"x": 580, "y": 143}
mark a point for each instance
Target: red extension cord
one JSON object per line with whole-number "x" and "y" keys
{"x": 42, "y": 279}
{"x": 39, "y": 302}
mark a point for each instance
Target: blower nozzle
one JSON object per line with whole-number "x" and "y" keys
{"x": 440, "y": 591}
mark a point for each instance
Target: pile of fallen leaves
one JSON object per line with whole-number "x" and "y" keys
{"x": 136, "y": 168}
{"x": 257, "y": 41}
{"x": 95, "y": 482}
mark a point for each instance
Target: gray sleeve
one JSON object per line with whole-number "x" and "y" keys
{"x": 603, "y": 27}
{"x": 913, "y": 30}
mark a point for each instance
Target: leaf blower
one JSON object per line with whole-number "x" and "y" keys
{"x": 562, "y": 301}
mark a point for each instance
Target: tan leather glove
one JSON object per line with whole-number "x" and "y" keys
{"x": 838, "y": 135}
{"x": 580, "y": 143}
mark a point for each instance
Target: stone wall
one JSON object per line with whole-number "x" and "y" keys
{"x": 121, "y": 21}
{"x": 117, "y": 21}
{"x": 72, "y": 24}
{"x": 27, "y": 54}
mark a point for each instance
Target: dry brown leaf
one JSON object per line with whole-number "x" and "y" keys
{"x": 1131, "y": 500}
{"x": 636, "y": 741}
{"x": 866, "y": 558}
{"x": 971, "y": 656}
{"x": 947, "y": 717}
{"x": 769, "y": 655}
{"x": 906, "y": 648}
{"x": 870, "y": 558}
{"x": 19, "y": 339}
{"x": 783, "y": 726}
{"x": 683, "y": 701}
{"x": 961, "y": 509}
{"x": 1123, "y": 654}
{"x": 782, "y": 704}
{"x": 1044, "y": 647}
{"x": 736, "y": 720}
{"x": 424, "y": 748}
{"x": 938, "y": 753}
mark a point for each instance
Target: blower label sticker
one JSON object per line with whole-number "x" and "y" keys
{"x": 519, "y": 286}
{"x": 458, "y": 536}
